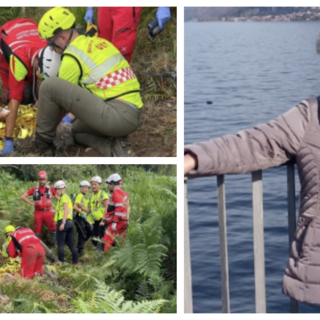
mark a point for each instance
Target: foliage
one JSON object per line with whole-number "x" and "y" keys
{"x": 158, "y": 56}
{"x": 138, "y": 274}
{"x": 105, "y": 300}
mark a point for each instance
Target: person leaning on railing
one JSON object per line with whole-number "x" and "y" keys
{"x": 293, "y": 135}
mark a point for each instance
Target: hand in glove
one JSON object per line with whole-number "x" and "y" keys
{"x": 89, "y": 15}
{"x": 114, "y": 226}
{"x": 163, "y": 16}
{"x": 67, "y": 119}
{"x": 83, "y": 215}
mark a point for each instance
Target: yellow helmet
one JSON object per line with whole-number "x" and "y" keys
{"x": 54, "y": 21}
{"x": 9, "y": 229}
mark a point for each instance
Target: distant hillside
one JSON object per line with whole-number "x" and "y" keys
{"x": 251, "y": 13}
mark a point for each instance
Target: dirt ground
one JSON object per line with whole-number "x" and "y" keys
{"x": 157, "y": 137}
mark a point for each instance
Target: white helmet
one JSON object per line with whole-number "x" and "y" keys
{"x": 114, "y": 179}
{"x": 96, "y": 179}
{"x": 84, "y": 183}
{"x": 49, "y": 63}
{"x": 60, "y": 185}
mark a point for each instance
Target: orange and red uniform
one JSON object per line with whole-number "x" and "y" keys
{"x": 42, "y": 197}
{"x": 19, "y": 46}
{"x": 118, "y": 219}
{"x": 24, "y": 241}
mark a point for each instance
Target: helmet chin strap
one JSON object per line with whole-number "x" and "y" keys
{"x": 67, "y": 44}
{"x": 69, "y": 40}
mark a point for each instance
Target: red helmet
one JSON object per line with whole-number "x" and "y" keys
{"x": 42, "y": 175}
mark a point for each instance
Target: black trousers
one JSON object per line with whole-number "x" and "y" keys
{"x": 66, "y": 237}
{"x": 98, "y": 232}
{"x": 84, "y": 229}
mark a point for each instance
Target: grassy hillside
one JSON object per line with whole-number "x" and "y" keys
{"x": 138, "y": 275}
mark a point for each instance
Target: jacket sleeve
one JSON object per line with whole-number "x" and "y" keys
{"x": 263, "y": 146}
{"x": 16, "y": 87}
{"x": 12, "y": 250}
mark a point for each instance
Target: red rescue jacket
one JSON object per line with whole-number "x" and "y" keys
{"x": 42, "y": 196}
{"x": 20, "y": 239}
{"x": 120, "y": 200}
{"x": 19, "y": 46}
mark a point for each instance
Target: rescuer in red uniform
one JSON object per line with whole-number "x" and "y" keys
{"x": 117, "y": 220}
{"x": 25, "y": 244}
{"x": 42, "y": 197}
{"x": 20, "y": 45}
{"x": 119, "y": 25}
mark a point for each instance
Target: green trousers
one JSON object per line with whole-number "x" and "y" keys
{"x": 97, "y": 121}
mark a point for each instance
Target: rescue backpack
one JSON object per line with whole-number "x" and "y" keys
{"x": 37, "y": 194}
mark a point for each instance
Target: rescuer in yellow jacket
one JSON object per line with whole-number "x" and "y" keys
{"x": 96, "y": 87}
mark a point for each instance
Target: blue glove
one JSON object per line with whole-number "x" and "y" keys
{"x": 163, "y": 16}
{"x": 83, "y": 215}
{"x": 89, "y": 15}
{"x": 67, "y": 119}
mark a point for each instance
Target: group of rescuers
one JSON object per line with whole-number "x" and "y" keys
{"x": 96, "y": 216}
{"x": 88, "y": 79}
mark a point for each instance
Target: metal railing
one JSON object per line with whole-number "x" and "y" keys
{"x": 258, "y": 242}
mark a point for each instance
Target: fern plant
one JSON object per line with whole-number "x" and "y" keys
{"x": 106, "y": 300}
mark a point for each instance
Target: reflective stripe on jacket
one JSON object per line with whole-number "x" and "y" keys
{"x": 104, "y": 71}
{"x": 121, "y": 203}
{"x": 19, "y": 239}
{"x": 96, "y": 204}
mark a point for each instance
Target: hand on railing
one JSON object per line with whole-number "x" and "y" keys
{"x": 190, "y": 163}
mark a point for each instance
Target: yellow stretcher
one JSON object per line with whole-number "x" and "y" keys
{"x": 25, "y": 124}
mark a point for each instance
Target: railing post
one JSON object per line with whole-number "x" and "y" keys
{"x": 225, "y": 295}
{"x": 188, "y": 305}
{"x": 292, "y": 221}
{"x": 258, "y": 242}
